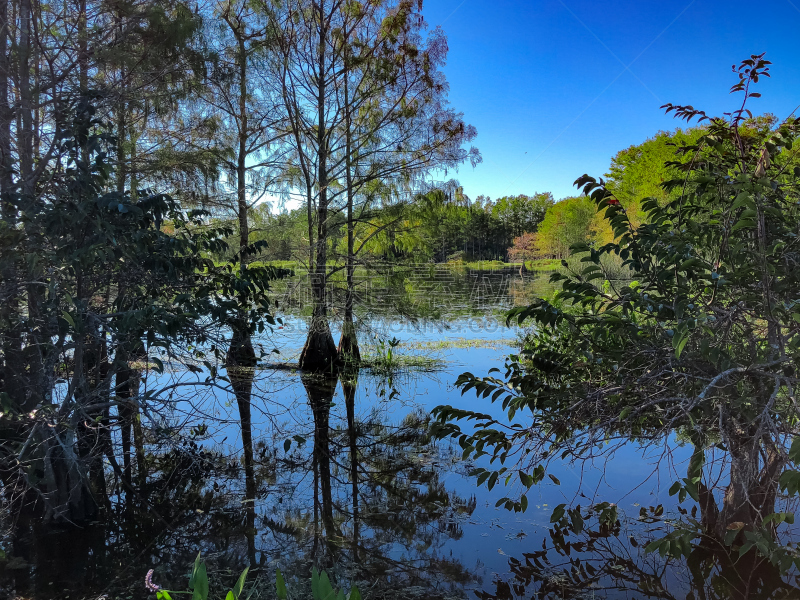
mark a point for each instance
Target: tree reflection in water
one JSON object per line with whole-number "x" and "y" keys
{"x": 379, "y": 500}
{"x": 358, "y": 494}
{"x": 362, "y": 497}
{"x": 610, "y": 562}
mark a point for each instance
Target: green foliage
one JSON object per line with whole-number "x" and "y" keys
{"x": 639, "y": 171}
{"x": 322, "y": 589}
{"x": 566, "y": 223}
{"x": 103, "y": 279}
{"x": 702, "y": 341}
{"x": 321, "y": 586}
{"x": 386, "y": 352}
{"x": 437, "y": 227}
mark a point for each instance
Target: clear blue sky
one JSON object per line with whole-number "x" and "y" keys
{"x": 545, "y": 82}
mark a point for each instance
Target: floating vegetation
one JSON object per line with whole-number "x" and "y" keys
{"x": 462, "y": 344}
{"x": 401, "y": 362}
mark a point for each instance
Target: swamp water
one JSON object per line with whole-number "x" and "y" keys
{"x": 347, "y": 478}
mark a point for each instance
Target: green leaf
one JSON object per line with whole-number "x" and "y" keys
{"x": 159, "y": 368}
{"x": 558, "y": 512}
{"x": 354, "y": 593}
{"x": 794, "y": 450}
{"x": 237, "y": 589}
{"x": 653, "y": 546}
{"x": 68, "y": 318}
{"x": 577, "y": 520}
{"x": 199, "y": 580}
{"x": 743, "y": 199}
{"x": 679, "y": 342}
{"x": 280, "y": 584}
{"x": 315, "y": 591}
{"x": 325, "y": 587}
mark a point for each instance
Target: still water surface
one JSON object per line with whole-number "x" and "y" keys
{"x": 348, "y": 479}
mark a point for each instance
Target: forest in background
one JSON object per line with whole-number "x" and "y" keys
{"x": 447, "y": 226}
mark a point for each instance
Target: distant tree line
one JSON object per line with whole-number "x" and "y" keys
{"x": 446, "y": 225}
{"x": 436, "y": 226}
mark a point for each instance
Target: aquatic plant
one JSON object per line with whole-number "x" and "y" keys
{"x": 321, "y": 586}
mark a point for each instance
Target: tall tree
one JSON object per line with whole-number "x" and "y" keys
{"x": 367, "y": 109}
{"x": 235, "y": 108}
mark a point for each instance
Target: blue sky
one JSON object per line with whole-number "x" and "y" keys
{"x": 556, "y": 88}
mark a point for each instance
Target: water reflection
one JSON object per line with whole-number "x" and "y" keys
{"x": 362, "y": 490}
{"x": 357, "y": 493}
{"x": 420, "y": 292}
{"x": 382, "y": 512}
{"x": 610, "y": 562}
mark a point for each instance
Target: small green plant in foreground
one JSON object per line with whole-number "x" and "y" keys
{"x": 386, "y": 351}
{"x": 321, "y": 587}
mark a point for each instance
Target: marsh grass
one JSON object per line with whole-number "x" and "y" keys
{"x": 463, "y": 344}
{"x": 402, "y": 363}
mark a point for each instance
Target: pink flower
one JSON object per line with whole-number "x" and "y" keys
{"x": 148, "y": 582}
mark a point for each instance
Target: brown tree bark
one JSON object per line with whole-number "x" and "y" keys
{"x": 348, "y": 351}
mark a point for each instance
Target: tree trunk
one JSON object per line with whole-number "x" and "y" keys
{"x": 13, "y": 379}
{"x": 38, "y": 339}
{"x": 319, "y": 352}
{"x": 241, "y": 359}
{"x": 128, "y": 379}
{"x": 752, "y": 489}
{"x": 240, "y": 364}
{"x": 348, "y": 351}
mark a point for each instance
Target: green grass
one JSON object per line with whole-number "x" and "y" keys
{"x": 401, "y": 362}
{"x": 281, "y": 264}
{"x": 542, "y": 264}
{"x": 461, "y": 343}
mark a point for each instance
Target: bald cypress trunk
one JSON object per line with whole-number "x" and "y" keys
{"x": 241, "y": 358}
{"x": 348, "y": 351}
{"x": 349, "y": 380}
{"x": 319, "y": 352}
